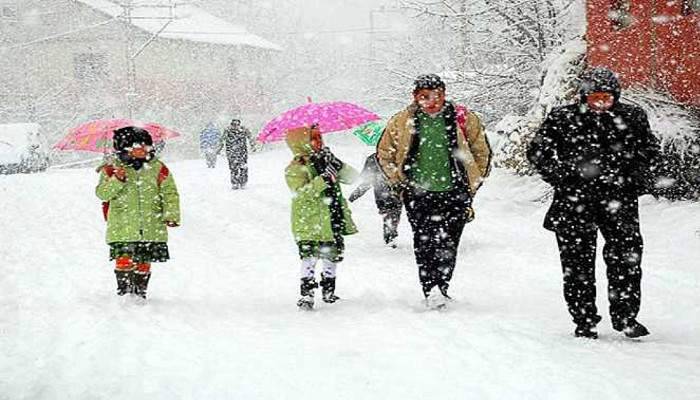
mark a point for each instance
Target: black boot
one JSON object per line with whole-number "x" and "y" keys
{"x": 443, "y": 290}
{"x": 586, "y": 328}
{"x": 306, "y": 302}
{"x": 124, "y": 282}
{"x": 328, "y": 289}
{"x": 141, "y": 284}
{"x": 586, "y": 331}
{"x": 631, "y": 328}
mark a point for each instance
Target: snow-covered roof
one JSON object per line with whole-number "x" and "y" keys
{"x": 190, "y": 23}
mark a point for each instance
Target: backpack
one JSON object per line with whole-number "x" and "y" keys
{"x": 462, "y": 114}
{"x": 109, "y": 171}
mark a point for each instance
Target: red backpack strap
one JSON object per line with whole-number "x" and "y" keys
{"x": 105, "y": 209}
{"x": 109, "y": 170}
{"x": 462, "y": 115}
{"x": 163, "y": 174}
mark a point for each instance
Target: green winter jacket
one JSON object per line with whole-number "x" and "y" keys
{"x": 311, "y": 215}
{"x": 140, "y": 206}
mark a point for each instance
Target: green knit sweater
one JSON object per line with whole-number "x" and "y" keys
{"x": 431, "y": 170}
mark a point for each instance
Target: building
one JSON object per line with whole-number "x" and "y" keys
{"x": 68, "y": 61}
{"x": 651, "y": 43}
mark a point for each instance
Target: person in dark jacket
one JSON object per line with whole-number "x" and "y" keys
{"x": 599, "y": 156}
{"x": 235, "y": 140}
{"x": 387, "y": 200}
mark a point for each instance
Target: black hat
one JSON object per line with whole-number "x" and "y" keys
{"x": 428, "y": 81}
{"x": 141, "y": 136}
{"x": 129, "y": 136}
{"x": 600, "y": 80}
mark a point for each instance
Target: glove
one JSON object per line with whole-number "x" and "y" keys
{"x": 400, "y": 187}
{"x": 327, "y": 164}
{"x": 329, "y": 176}
{"x": 331, "y": 160}
{"x": 470, "y": 214}
{"x": 172, "y": 224}
{"x": 120, "y": 173}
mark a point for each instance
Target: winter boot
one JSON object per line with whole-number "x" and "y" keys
{"x": 141, "y": 284}
{"x": 631, "y": 328}
{"x": 435, "y": 300}
{"x": 586, "y": 330}
{"x": 328, "y": 289}
{"x": 586, "y": 327}
{"x": 124, "y": 282}
{"x": 443, "y": 290}
{"x": 306, "y": 302}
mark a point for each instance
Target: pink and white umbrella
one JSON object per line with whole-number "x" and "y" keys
{"x": 330, "y": 117}
{"x": 96, "y": 136}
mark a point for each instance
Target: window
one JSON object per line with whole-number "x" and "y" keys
{"x": 9, "y": 12}
{"x": 690, "y": 6}
{"x": 621, "y": 14}
{"x": 90, "y": 65}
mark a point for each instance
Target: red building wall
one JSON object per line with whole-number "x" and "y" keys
{"x": 659, "y": 49}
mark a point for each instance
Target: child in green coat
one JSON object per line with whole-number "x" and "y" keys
{"x": 320, "y": 214}
{"x": 140, "y": 200}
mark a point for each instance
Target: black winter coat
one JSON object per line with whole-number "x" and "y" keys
{"x": 594, "y": 161}
{"x": 235, "y": 141}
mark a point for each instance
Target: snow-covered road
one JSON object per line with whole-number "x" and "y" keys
{"x": 221, "y": 321}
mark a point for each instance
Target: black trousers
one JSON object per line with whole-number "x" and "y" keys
{"x": 210, "y": 157}
{"x": 391, "y": 220}
{"x": 238, "y": 165}
{"x": 437, "y": 220}
{"x": 622, "y": 254}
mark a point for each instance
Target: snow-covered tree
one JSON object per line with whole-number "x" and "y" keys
{"x": 498, "y": 48}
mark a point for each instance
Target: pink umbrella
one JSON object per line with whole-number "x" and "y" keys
{"x": 96, "y": 136}
{"x": 330, "y": 117}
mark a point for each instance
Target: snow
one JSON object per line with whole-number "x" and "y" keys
{"x": 221, "y": 320}
{"x": 191, "y": 23}
{"x": 561, "y": 70}
{"x": 15, "y": 139}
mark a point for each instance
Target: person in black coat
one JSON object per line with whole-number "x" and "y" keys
{"x": 387, "y": 201}
{"x": 599, "y": 156}
{"x": 235, "y": 140}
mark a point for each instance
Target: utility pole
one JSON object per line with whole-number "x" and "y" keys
{"x": 464, "y": 32}
{"x": 371, "y": 34}
{"x": 372, "y": 28}
{"x": 131, "y": 52}
{"x": 130, "y": 62}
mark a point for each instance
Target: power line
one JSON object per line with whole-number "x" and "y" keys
{"x": 59, "y": 35}
{"x": 351, "y": 30}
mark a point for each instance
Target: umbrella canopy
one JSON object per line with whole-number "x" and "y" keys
{"x": 330, "y": 117}
{"x": 370, "y": 133}
{"x": 96, "y": 136}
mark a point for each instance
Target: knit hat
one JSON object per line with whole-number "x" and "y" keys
{"x": 599, "y": 80}
{"x": 428, "y": 81}
{"x": 126, "y": 137}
